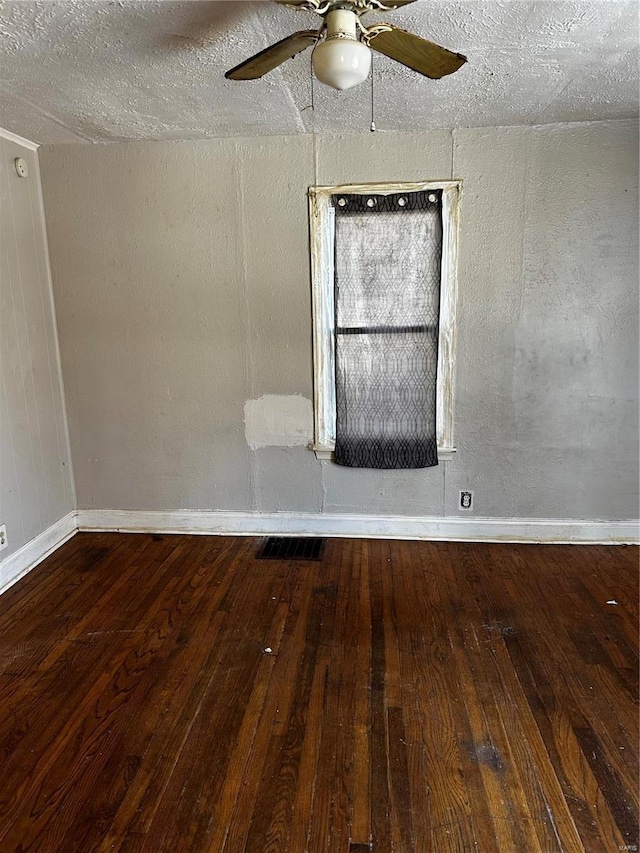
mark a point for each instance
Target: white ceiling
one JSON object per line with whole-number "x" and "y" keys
{"x": 100, "y": 71}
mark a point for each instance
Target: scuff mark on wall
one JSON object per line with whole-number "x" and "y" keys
{"x": 276, "y": 420}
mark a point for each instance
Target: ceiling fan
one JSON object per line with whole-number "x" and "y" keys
{"x": 342, "y": 57}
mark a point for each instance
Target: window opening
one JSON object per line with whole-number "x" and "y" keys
{"x": 419, "y": 322}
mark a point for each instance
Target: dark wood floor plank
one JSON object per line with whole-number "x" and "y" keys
{"x": 269, "y": 732}
{"x": 465, "y": 820}
{"x": 614, "y": 721}
{"x": 360, "y": 820}
{"x": 239, "y": 768}
{"x": 497, "y": 751}
{"x": 171, "y": 693}
{"x": 566, "y": 702}
{"x": 115, "y": 799}
{"x": 123, "y": 688}
{"x": 45, "y": 584}
{"x": 330, "y": 811}
{"x": 345, "y": 677}
{"x": 615, "y": 573}
{"x": 303, "y": 807}
{"x": 430, "y": 664}
{"x": 69, "y": 590}
{"x": 396, "y": 650}
{"x": 412, "y": 702}
{"x": 68, "y": 679}
{"x": 380, "y": 793}
{"x": 270, "y": 823}
{"x": 552, "y": 819}
{"x": 252, "y": 616}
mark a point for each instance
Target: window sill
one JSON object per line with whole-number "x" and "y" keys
{"x": 445, "y": 454}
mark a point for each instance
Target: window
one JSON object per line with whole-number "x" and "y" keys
{"x": 364, "y": 323}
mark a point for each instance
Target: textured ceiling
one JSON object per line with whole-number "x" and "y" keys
{"x": 88, "y": 70}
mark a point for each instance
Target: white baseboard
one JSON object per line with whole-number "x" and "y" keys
{"x": 451, "y": 529}
{"x": 16, "y": 565}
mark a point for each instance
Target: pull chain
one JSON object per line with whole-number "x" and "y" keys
{"x": 313, "y": 106}
{"x": 373, "y": 124}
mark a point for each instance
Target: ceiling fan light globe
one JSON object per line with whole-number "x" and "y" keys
{"x": 341, "y": 63}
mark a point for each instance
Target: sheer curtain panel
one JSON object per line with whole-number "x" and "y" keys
{"x": 388, "y": 252}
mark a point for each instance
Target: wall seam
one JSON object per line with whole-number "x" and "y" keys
{"x": 13, "y": 456}
{"x": 44, "y": 284}
{"x": 56, "y": 341}
{"x": 5, "y": 395}
{"x": 38, "y": 512}
{"x": 445, "y": 467}
{"x": 241, "y": 263}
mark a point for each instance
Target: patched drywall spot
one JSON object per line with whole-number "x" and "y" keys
{"x": 276, "y": 420}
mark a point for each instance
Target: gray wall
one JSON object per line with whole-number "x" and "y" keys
{"x": 35, "y": 478}
{"x": 181, "y": 278}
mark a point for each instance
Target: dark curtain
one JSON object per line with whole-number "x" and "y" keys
{"x": 388, "y": 251}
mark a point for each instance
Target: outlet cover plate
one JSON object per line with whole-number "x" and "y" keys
{"x": 3, "y": 536}
{"x": 465, "y": 500}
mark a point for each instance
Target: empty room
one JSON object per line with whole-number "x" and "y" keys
{"x": 319, "y": 447}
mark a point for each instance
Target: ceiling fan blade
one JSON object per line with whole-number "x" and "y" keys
{"x": 269, "y": 58}
{"x": 385, "y": 5}
{"x": 417, "y": 53}
{"x": 395, "y": 4}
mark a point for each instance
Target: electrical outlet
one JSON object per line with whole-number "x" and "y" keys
{"x": 21, "y": 167}
{"x": 466, "y": 500}
{"x": 3, "y": 536}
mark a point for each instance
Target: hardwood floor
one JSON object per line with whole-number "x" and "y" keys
{"x": 172, "y": 693}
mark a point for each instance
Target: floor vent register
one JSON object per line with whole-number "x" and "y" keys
{"x": 291, "y": 548}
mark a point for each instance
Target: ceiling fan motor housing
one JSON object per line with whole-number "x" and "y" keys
{"x": 341, "y": 23}
{"x": 341, "y": 61}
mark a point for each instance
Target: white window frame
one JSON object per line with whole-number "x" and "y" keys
{"x": 322, "y": 236}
